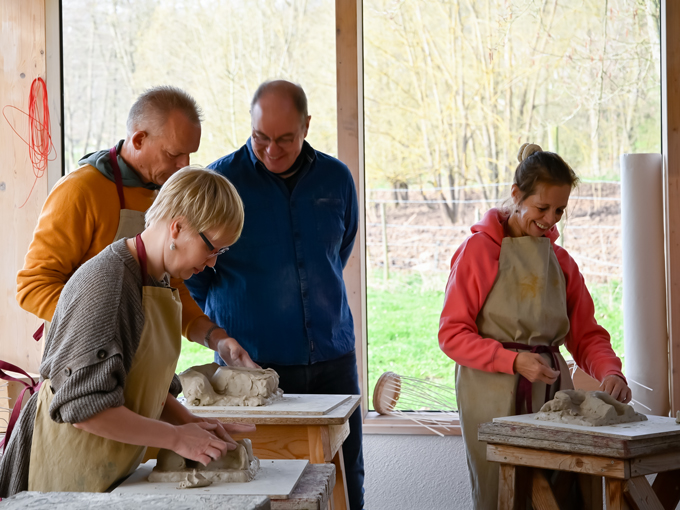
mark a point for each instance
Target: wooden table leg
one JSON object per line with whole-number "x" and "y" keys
{"x": 340, "y": 495}
{"x": 320, "y": 452}
{"x": 514, "y": 487}
{"x": 640, "y": 495}
{"x": 542, "y": 497}
{"x": 506, "y": 487}
{"x": 667, "y": 488}
{"x": 613, "y": 492}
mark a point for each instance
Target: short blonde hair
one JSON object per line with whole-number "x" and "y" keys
{"x": 206, "y": 199}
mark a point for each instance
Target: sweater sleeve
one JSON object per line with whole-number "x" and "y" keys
{"x": 587, "y": 341}
{"x": 93, "y": 339}
{"x": 474, "y": 268}
{"x": 62, "y": 237}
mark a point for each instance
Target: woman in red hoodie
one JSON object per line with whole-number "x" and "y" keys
{"x": 513, "y": 297}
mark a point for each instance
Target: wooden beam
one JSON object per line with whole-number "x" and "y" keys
{"x": 507, "y": 481}
{"x": 349, "y": 59}
{"x": 53, "y": 63}
{"x": 667, "y": 488}
{"x": 542, "y": 497}
{"x": 657, "y": 463}
{"x": 22, "y": 59}
{"x": 670, "y": 115}
{"x": 589, "y": 464}
{"x": 613, "y": 493}
{"x": 640, "y": 495}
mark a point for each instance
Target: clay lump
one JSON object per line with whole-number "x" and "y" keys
{"x": 587, "y": 408}
{"x": 239, "y": 465}
{"x": 214, "y": 385}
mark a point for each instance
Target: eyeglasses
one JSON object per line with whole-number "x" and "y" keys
{"x": 211, "y": 247}
{"x": 283, "y": 142}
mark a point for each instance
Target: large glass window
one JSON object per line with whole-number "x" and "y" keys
{"x": 217, "y": 50}
{"x": 452, "y": 89}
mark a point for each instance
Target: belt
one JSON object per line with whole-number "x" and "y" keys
{"x": 523, "y": 393}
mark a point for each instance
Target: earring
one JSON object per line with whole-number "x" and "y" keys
{"x": 172, "y": 246}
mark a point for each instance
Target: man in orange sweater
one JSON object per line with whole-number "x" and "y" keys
{"x": 106, "y": 198}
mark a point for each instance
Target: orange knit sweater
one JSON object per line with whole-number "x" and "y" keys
{"x": 78, "y": 220}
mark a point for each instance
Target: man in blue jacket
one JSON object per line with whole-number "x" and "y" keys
{"x": 279, "y": 290}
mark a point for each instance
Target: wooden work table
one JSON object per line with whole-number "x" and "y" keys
{"x": 620, "y": 454}
{"x": 316, "y": 438}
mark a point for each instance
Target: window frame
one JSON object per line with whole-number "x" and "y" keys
{"x": 349, "y": 57}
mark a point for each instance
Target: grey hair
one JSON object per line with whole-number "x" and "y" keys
{"x": 155, "y": 104}
{"x": 293, "y": 90}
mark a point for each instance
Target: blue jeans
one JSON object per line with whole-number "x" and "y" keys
{"x": 334, "y": 377}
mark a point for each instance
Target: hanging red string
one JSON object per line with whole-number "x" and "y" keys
{"x": 39, "y": 141}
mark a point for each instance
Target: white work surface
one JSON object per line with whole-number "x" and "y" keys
{"x": 276, "y": 479}
{"x": 655, "y": 426}
{"x": 294, "y": 404}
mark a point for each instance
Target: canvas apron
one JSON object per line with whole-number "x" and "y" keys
{"x": 130, "y": 222}
{"x": 67, "y": 459}
{"x": 527, "y": 305}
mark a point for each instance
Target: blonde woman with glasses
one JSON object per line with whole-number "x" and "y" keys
{"x": 107, "y": 376}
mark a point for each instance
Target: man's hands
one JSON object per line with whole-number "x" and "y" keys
{"x": 617, "y": 388}
{"x": 233, "y": 354}
{"x": 534, "y": 368}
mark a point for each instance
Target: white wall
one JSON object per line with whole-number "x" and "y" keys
{"x": 415, "y": 473}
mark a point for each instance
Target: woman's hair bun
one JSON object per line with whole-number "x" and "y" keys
{"x": 526, "y": 150}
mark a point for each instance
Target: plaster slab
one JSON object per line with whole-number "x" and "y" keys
{"x": 288, "y": 404}
{"x": 276, "y": 479}
{"x": 88, "y": 500}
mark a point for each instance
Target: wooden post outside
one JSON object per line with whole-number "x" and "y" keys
{"x": 22, "y": 59}
{"x": 670, "y": 112}
{"x": 386, "y": 254}
{"x": 350, "y": 90}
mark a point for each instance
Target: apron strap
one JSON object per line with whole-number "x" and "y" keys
{"x": 141, "y": 253}
{"x": 523, "y": 393}
{"x": 32, "y": 388}
{"x": 39, "y": 332}
{"x": 117, "y": 175}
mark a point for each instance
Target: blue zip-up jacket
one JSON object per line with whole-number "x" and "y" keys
{"x": 279, "y": 289}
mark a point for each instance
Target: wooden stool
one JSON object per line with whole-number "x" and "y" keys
{"x": 621, "y": 454}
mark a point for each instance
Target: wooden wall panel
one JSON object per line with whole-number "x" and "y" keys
{"x": 22, "y": 59}
{"x": 670, "y": 111}
{"x": 349, "y": 39}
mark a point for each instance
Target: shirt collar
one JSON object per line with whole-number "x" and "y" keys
{"x": 306, "y": 149}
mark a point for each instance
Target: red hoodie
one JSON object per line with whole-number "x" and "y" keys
{"x": 474, "y": 268}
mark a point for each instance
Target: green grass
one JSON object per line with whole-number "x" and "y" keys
{"x": 193, "y": 354}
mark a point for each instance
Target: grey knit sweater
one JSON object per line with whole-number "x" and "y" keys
{"x": 100, "y": 309}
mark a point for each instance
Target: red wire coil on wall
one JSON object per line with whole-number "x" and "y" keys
{"x": 39, "y": 138}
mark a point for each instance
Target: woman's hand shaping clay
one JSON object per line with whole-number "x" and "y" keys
{"x": 617, "y": 388}
{"x": 223, "y": 430}
{"x": 198, "y": 441}
{"x": 534, "y": 368}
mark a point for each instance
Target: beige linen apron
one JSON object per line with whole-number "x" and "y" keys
{"x": 527, "y": 305}
{"x": 67, "y": 459}
{"x": 130, "y": 222}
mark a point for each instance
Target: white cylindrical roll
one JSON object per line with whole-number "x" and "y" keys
{"x": 645, "y": 332}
